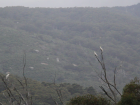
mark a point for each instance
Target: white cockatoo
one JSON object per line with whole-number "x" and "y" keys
{"x": 95, "y": 53}
{"x": 7, "y": 74}
{"x": 101, "y": 48}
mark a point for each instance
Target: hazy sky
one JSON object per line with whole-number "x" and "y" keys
{"x": 67, "y": 3}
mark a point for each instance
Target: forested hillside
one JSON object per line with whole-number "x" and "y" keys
{"x": 133, "y": 10}
{"x": 43, "y": 93}
{"x": 62, "y": 41}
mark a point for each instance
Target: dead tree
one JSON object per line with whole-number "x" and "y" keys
{"x": 12, "y": 94}
{"x": 58, "y": 91}
{"x": 103, "y": 76}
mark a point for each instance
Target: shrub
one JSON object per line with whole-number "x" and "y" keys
{"x": 89, "y": 100}
{"x": 131, "y": 93}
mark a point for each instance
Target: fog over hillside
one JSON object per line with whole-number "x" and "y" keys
{"x": 62, "y": 41}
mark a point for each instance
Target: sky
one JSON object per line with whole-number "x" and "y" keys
{"x": 68, "y": 3}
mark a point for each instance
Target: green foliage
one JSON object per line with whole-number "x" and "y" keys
{"x": 131, "y": 93}
{"x": 129, "y": 99}
{"x": 43, "y": 93}
{"x": 89, "y": 100}
{"x": 72, "y": 35}
{"x": 91, "y": 90}
{"x": 75, "y": 89}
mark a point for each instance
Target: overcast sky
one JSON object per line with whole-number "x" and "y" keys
{"x": 68, "y": 3}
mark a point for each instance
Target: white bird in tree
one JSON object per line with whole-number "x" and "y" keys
{"x": 95, "y": 53}
{"x": 101, "y": 48}
{"x": 7, "y": 74}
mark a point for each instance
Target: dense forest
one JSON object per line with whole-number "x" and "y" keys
{"x": 62, "y": 41}
{"x": 43, "y": 93}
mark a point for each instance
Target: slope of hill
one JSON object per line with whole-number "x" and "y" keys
{"x": 62, "y": 41}
{"x": 133, "y": 10}
{"x": 42, "y": 93}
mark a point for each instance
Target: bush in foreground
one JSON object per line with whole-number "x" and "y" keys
{"x": 89, "y": 100}
{"x": 131, "y": 93}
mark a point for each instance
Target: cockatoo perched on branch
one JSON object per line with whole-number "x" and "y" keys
{"x": 95, "y": 53}
{"x": 101, "y": 48}
{"x": 7, "y": 74}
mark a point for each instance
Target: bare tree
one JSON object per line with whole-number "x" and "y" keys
{"x": 103, "y": 76}
{"x": 16, "y": 96}
{"x": 58, "y": 91}
{"x": 12, "y": 94}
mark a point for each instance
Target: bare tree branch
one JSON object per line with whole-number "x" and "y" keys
{"x": 21, "y": 98}
{"x": 112, "y": 87}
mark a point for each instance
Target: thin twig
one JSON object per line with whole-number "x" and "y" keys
{"x": 104, "y": 78}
